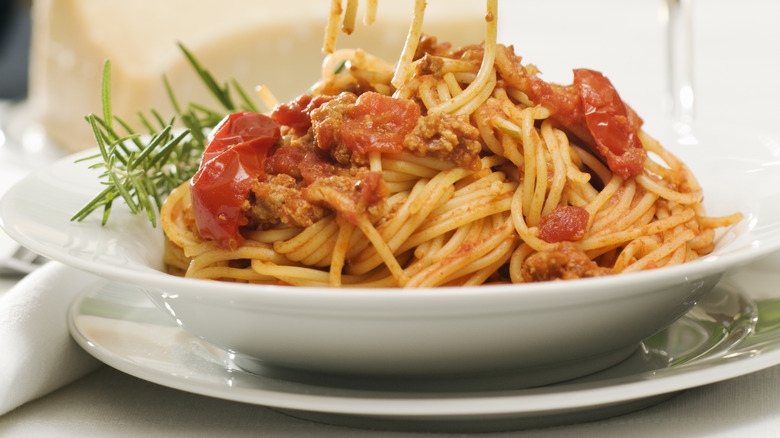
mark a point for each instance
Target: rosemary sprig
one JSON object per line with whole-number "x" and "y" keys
{"x": 142, "y": 169}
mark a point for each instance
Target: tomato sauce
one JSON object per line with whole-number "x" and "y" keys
{"x": 296, "y": 114}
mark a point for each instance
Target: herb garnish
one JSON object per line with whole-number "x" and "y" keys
{"x": 142, "y": 169}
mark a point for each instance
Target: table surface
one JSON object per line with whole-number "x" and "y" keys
{"x": 737, "y": 67}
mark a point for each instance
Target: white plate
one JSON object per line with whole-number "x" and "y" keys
{"x": 544, "y": 332}
{"x": 734, "y": 331}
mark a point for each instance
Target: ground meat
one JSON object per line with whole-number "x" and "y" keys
{"x": 446, "y": 136}
{"x": 351, "y": 194}
{"x": 278, "y": 199}
{"x": 341, "y": 154}
{"x": 430, "y": 65}
{"x": 320, "y": 189}
{"x": 565, "y": 262}
{"x": 327, "y": 119}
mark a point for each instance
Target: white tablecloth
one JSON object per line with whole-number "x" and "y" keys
{"x": 109, "y": 403}
{"x": 737, "y": 77}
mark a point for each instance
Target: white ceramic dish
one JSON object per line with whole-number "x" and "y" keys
{"x": 734, "y": 331}
{"x": 543, "y": 332}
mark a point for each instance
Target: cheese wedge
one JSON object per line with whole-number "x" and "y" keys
{"x": 275, "y": 43}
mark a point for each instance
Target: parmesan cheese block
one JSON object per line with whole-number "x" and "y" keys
{"x": 275, "y": 43}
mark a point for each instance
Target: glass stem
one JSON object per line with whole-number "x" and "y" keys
{"x": 679, "y": 53}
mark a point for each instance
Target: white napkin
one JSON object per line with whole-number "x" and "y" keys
{"x": 37, "y": 354}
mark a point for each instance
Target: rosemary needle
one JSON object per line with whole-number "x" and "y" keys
{"x": 142, "y": 169}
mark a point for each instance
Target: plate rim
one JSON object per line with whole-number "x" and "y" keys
{"x": 542, "y": 400}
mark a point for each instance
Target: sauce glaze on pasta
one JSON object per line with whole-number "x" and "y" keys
{"x": 455, "y": 166}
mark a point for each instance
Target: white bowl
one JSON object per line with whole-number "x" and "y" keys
{"x": 540, "y": 332}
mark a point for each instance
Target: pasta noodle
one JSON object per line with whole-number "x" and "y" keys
{"x": 493, "y": 182}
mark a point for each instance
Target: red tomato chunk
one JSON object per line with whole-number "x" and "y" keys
{"x": 379, "y": 123}
{"x": 564, "y": 224}
{"x": 234, "y": 158}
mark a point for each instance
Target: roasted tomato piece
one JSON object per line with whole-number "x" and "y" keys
{"x": 234, "y": 158}
{"x": 565, "y": 223}
{"x": 297, "y": 113}
{"x": 379, "y": 123}
{"x": 293, "y": 113}
{"x": 611, "y": 123}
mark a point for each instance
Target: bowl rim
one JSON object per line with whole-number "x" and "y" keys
{"x": 555, "y": 293}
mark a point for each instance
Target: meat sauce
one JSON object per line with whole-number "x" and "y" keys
{"x": 564, "y": 262}
{"x": 250, "y": 177}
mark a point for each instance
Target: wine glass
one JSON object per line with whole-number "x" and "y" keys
{"x": 678, "y": 20}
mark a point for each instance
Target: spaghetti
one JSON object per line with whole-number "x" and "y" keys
{"x": 456, "y": 166}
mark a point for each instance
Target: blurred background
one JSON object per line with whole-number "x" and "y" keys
{"x": 14, "y": 48}
{"x": 52, "y": 51}
{"x": 736, "y": 52}
{"x": 267, "y": 42}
